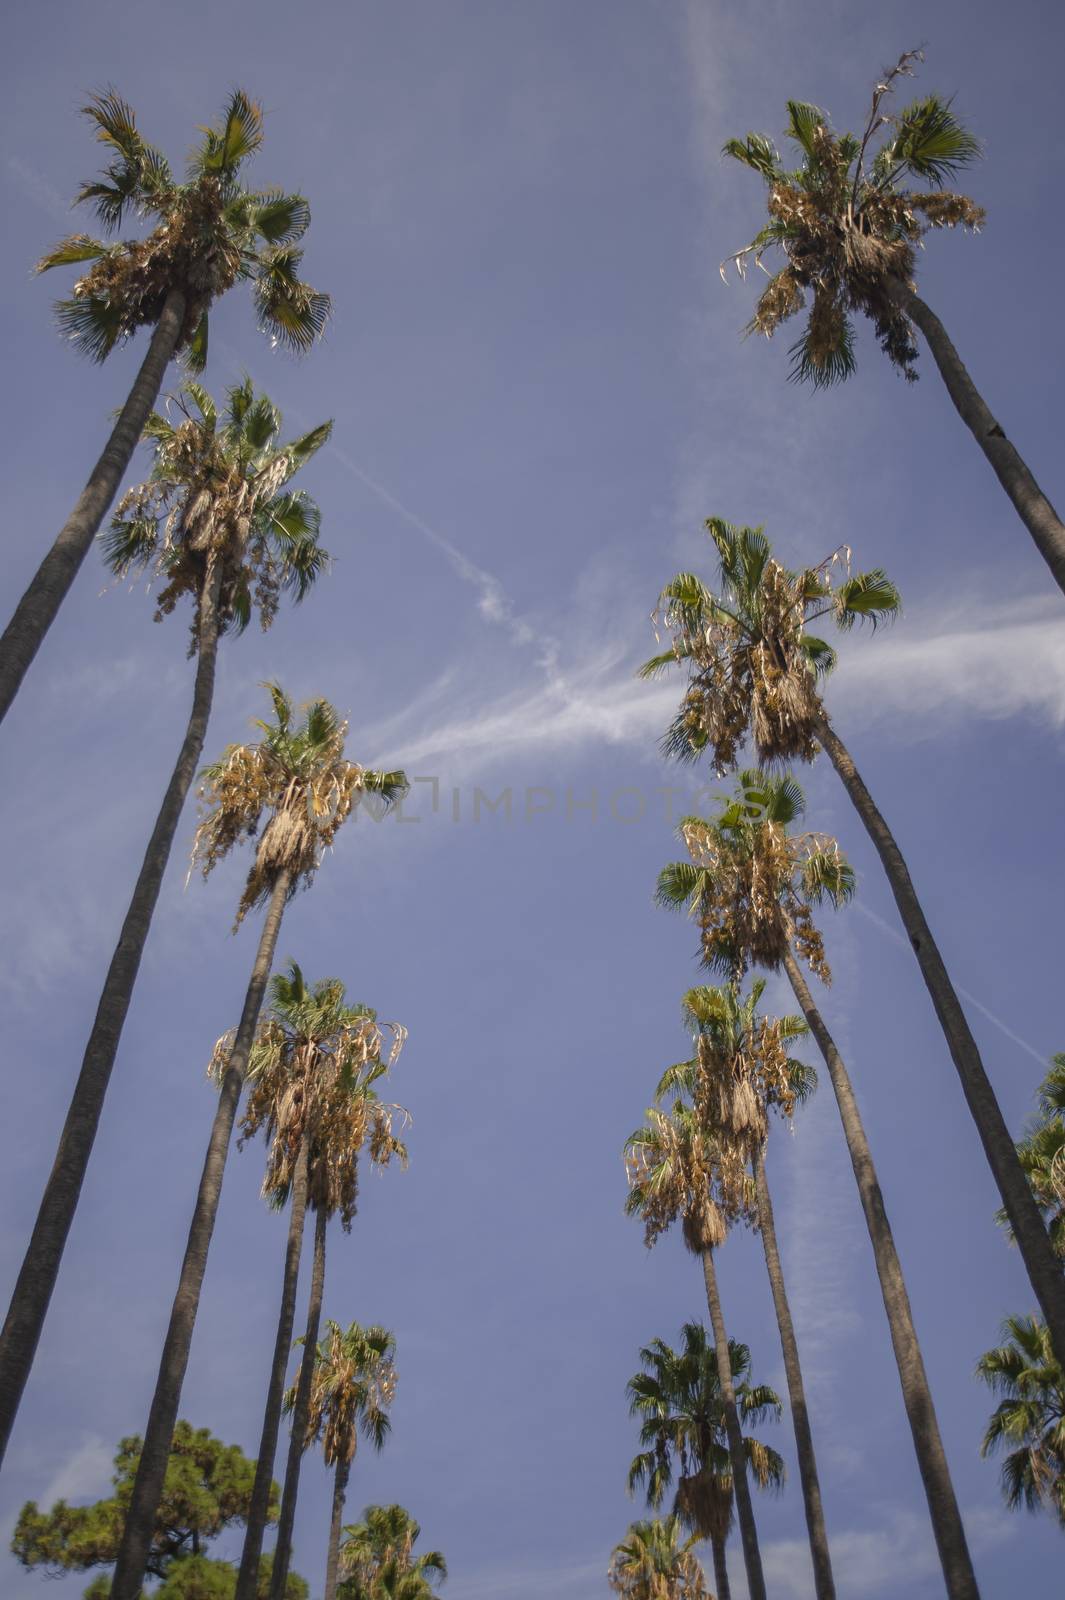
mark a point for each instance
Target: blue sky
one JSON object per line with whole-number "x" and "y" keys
{"x": 540, "y": 391}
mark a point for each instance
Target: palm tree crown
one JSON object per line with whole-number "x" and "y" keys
{"x": 218, "y": 493}
{"x": 677, "y": 1398}
{"x": 753, "y": 667}
{"x": 299, "y": 774}
{"x": 1042, "y": 1154}
{"x": 1030, "y": 1418}
{"x": 378, "y": 1560}
{"x": 751, "y": 883}
{"x": 208, "y": 233}
{"x": 354, "y": 1384}
{"x": 849, "y": 221}
{"x": 655, "y": 1562}
{"x": 311, "y": 1073}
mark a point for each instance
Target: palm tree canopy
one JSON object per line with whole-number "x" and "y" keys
{"x": 677, "y": 1168}
{"x": 751, "y": 883}
{"x": 1030, "y": 1420}
{"x": 753, "y": 667}
{"x": 849, "y": 220}
{"x": 298, "y": 774}
{"x": 677, "y": 1397}
{"x": 352, "y": 1388}
{"x": 207, "y": 233}
{"x": 311, "y": 1074}
{"x": 378, "y": 1560}
{"x": 218, "y": 492}
{"x": 1042, "y": 1154}
{"x": 655, "y": 1562}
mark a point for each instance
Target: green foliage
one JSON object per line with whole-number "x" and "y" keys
{"x": 201, "y": 1578}
{"x": 1029, "y": 1422}
{"x": 378, "y": 1560}
{"x": 1042, "y": 1155}
{"x": 207, "y": 1490}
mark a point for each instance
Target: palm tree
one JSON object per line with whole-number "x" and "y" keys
{"x": 849, "y": 224}
{"x": 677, "y": 1398}
{"x": 378, "y": 1560}
{"x": 742, "y": 1065}
{"x": 298, "y": 777}
{"x": 311, "y": 1073}
{"x": 208, "y": 233}
{"x": 655, "y": 1562}
{"x": 751, "y": 884}
{"x": 219, "y": 523}
{"x": 753, "y": 673}
{"x": 677, "y": 1168}
{"x": 1030, "y": 1417}
{"x": 354, "y": 1383}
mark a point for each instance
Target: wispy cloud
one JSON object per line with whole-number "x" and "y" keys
{"x": 85, "y": 1474}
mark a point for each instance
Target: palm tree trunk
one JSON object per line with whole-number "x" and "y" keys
{"x": 824, "y": 1584}
{"x": 721, "y": 1584}
{"x": 1029, "y": 1230}
{"x": 332, "y": 1559}
{"x": 1029, "y": 501}
{"x": 917, "y": 1397}
{"x": 259, "y": 1506}
{"x": 151, "y": 1470}
{"x": 300, "y": 1413}
{"x": 37, "y": 609}
{"x": 40, "y": 1267}
{"x": 741, "y": 1487}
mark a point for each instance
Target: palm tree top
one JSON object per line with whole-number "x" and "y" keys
{"x": 753, "y": 664}
{"x": 1029, "y": 1422}
{"x": 217, "y": 492}
{"x": 377, "y": 1557}
{"x": 677, "y": 1399}
{"x": 656, "y": 1562}
{"x": 751, "y": 882}
{"x": 208, "y": 232}
{"x": 1042, "y": 1154}
{"x": 353, "y": 1386}
{"x": 298, "y": 773}
{"x": 849, "y": 220}
{"x": 311, "y": 1074}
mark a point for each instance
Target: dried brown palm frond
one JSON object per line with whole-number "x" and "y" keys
{"x": 676, "y": 1170}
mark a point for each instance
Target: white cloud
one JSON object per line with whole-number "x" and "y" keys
{"x": 84, "y": 1475}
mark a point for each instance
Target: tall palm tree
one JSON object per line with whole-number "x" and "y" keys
{"x": 742, "y": 1066}
{"x": 1030, "y": 1418}
{"x": 677, "y": 1169}
{"x": 297, "y": 778}
{"x": 207, "y": 233}
{"x": 677, "y": 1398}
{"x": 311, "y": 1073}
{"x": 217, "y": 521}
{"x": 378, "y": 1561}
{"x": 354, "y": 1384}
{"x": 751, "y": 884}
{"x": 655, "y": 1562}
{"x": 849, "y": 223}
{"x": 753, "y": 674}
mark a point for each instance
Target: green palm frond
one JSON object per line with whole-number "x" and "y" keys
{"x": 827, "y": 875}
{"x": 239, "y": 135}
{"x": 660, "y": 663}
{"x": 824, "y": 355}
{"x": 756, "y": 151}
{"x": 129, "y": 544}
{"x": 194, "y": 355}
{"x": 93, "y": 325}
{"x": 679, "y": 884}
{"x": 280, "y": 218}
{"x": 867, "y": 596}
{"x": 930, "y": 142}
{"x": 291, "y": 311}
{"x": 76, "y": 247}
{"x": 804, "y": 121}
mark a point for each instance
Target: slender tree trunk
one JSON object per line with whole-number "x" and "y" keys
{"x": 151, "y": 1470}
{"x": 741, "y": 1487}
{"x": 721, "y": 1583}
{"x": 332, "y": 1559}
{"x": 40, "y": 1267}
{"x": 917, "y": 1397}
{"x": 824, "y": 1584}
{"x": 259, "y": 1507}
{"x": 300, "y": 1413}
{"x": 1029, "y": 501}
{"x": 1042, "y": 1265}
{"x": 37, "y": 609}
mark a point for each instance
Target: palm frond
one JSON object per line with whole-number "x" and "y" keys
{"x": 756, "y": 151}
{"x": 931, "y": 142}
{"x": 93, "y": 325}
{"x": 76, "y": 247}
{"x": 280, "y": 218}
{"x": 867, "y": 596}
{"x": 804, "y": 122}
